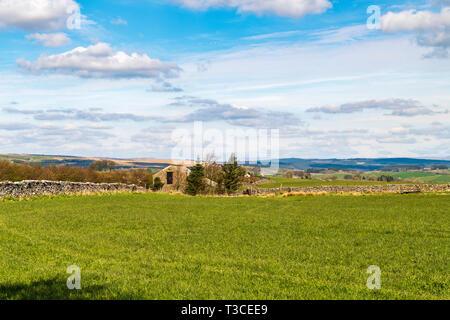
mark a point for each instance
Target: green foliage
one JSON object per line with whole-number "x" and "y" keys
{"x": 232, "y": 175}
{"x": 157, "y": 184}
{"x": 386, "y": 178}
{"x": 158, "y": 246}
{"x": 196, "y": 181}
{"x": 103, "y": 165}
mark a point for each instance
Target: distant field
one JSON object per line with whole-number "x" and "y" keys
{"x": 277, "y": 182}
{"x": 156, "y": 246}
{"x": 425, "y": 177}
{"x": 321, "y": 179}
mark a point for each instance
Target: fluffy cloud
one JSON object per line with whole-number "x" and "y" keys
{"x": 432, "y": 29}
{"x": 439, "y": 41}
{"x": 53, "y": 40}
{"x": 100, "y": 61}
{"x": 211, "y": 110}
{"x": 398, "y": 107}
{"x": 286, "y": 8}
{"x": 412, "y": 20}
{"x": 36, "y": 14}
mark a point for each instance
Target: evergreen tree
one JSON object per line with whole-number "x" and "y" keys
{"x": 232, "y": 175}
{"x": 196, "y": 181}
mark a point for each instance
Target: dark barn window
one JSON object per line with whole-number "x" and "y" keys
{"x": 169, "y": 177}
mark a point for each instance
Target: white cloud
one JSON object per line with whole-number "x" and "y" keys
{"x": 211, "y": 110}
{"x": 100, "y": 61}
{"x": 36, "y": 14}
{"x": 286, "y": 8}
{"x": 399, "y": 107}
{"x": 432, "y": 29}
{"x": 437, "y": 40}
{"x": 92, "y": 115}
{"x": 53, "y": 40}
{"x": 412, "y": 20}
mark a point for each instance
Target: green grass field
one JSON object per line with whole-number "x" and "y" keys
{"x": 155, "y": 246}
{"x": 277, "y": 182}
{"x": 424, "y": 177}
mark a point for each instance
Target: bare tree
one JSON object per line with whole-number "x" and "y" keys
{"x": 213, "y": 172}
{"x": 180, "y": 178}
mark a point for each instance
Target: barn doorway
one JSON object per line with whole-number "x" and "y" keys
{"x": 169, "y": 178}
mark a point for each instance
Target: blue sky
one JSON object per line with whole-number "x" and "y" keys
{"x": 135, "y": 71}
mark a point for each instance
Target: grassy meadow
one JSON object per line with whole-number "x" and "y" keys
{"x": 157, "y": 246}
{"x": 277, "y": 182}
{"x": 402, "y": 177}
{"x": 420, "y": 177}
{"x": 321, "y": 180}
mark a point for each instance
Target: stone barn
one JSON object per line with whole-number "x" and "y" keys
{"x": 173, "y": 177}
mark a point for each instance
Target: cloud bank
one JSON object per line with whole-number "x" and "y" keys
{"x": 100, "y": 61}
{"x": 211, "y": 110}
{"x": 398, "y": 107}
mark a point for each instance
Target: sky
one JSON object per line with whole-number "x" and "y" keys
{"x": 117, "y": 78}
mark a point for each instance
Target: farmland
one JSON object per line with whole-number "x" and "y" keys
{"x": 159, "y": 246}
{"x": 420, "y": 177}
{"x": 277, "y": 182}
{"x": 324, "y": 180}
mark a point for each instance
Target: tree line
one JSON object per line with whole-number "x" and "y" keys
{"x": 10, "y": 171}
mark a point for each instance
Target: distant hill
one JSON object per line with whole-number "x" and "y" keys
{"x": 362, "y": 164}
{"x": 73, "y": 161}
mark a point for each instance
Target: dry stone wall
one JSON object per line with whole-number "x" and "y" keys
{"x": 389, "y": 188}
{"x": 31, "y": 188}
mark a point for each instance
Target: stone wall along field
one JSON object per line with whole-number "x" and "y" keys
{"x": 31, "y": 188}
{"x": 389, "y": 188}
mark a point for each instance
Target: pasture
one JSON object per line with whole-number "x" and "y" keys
{"x": 158, "y": 246}
{"x": 277, "y": 182}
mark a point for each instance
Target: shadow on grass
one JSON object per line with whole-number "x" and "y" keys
{"x": 50, "y": 289}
